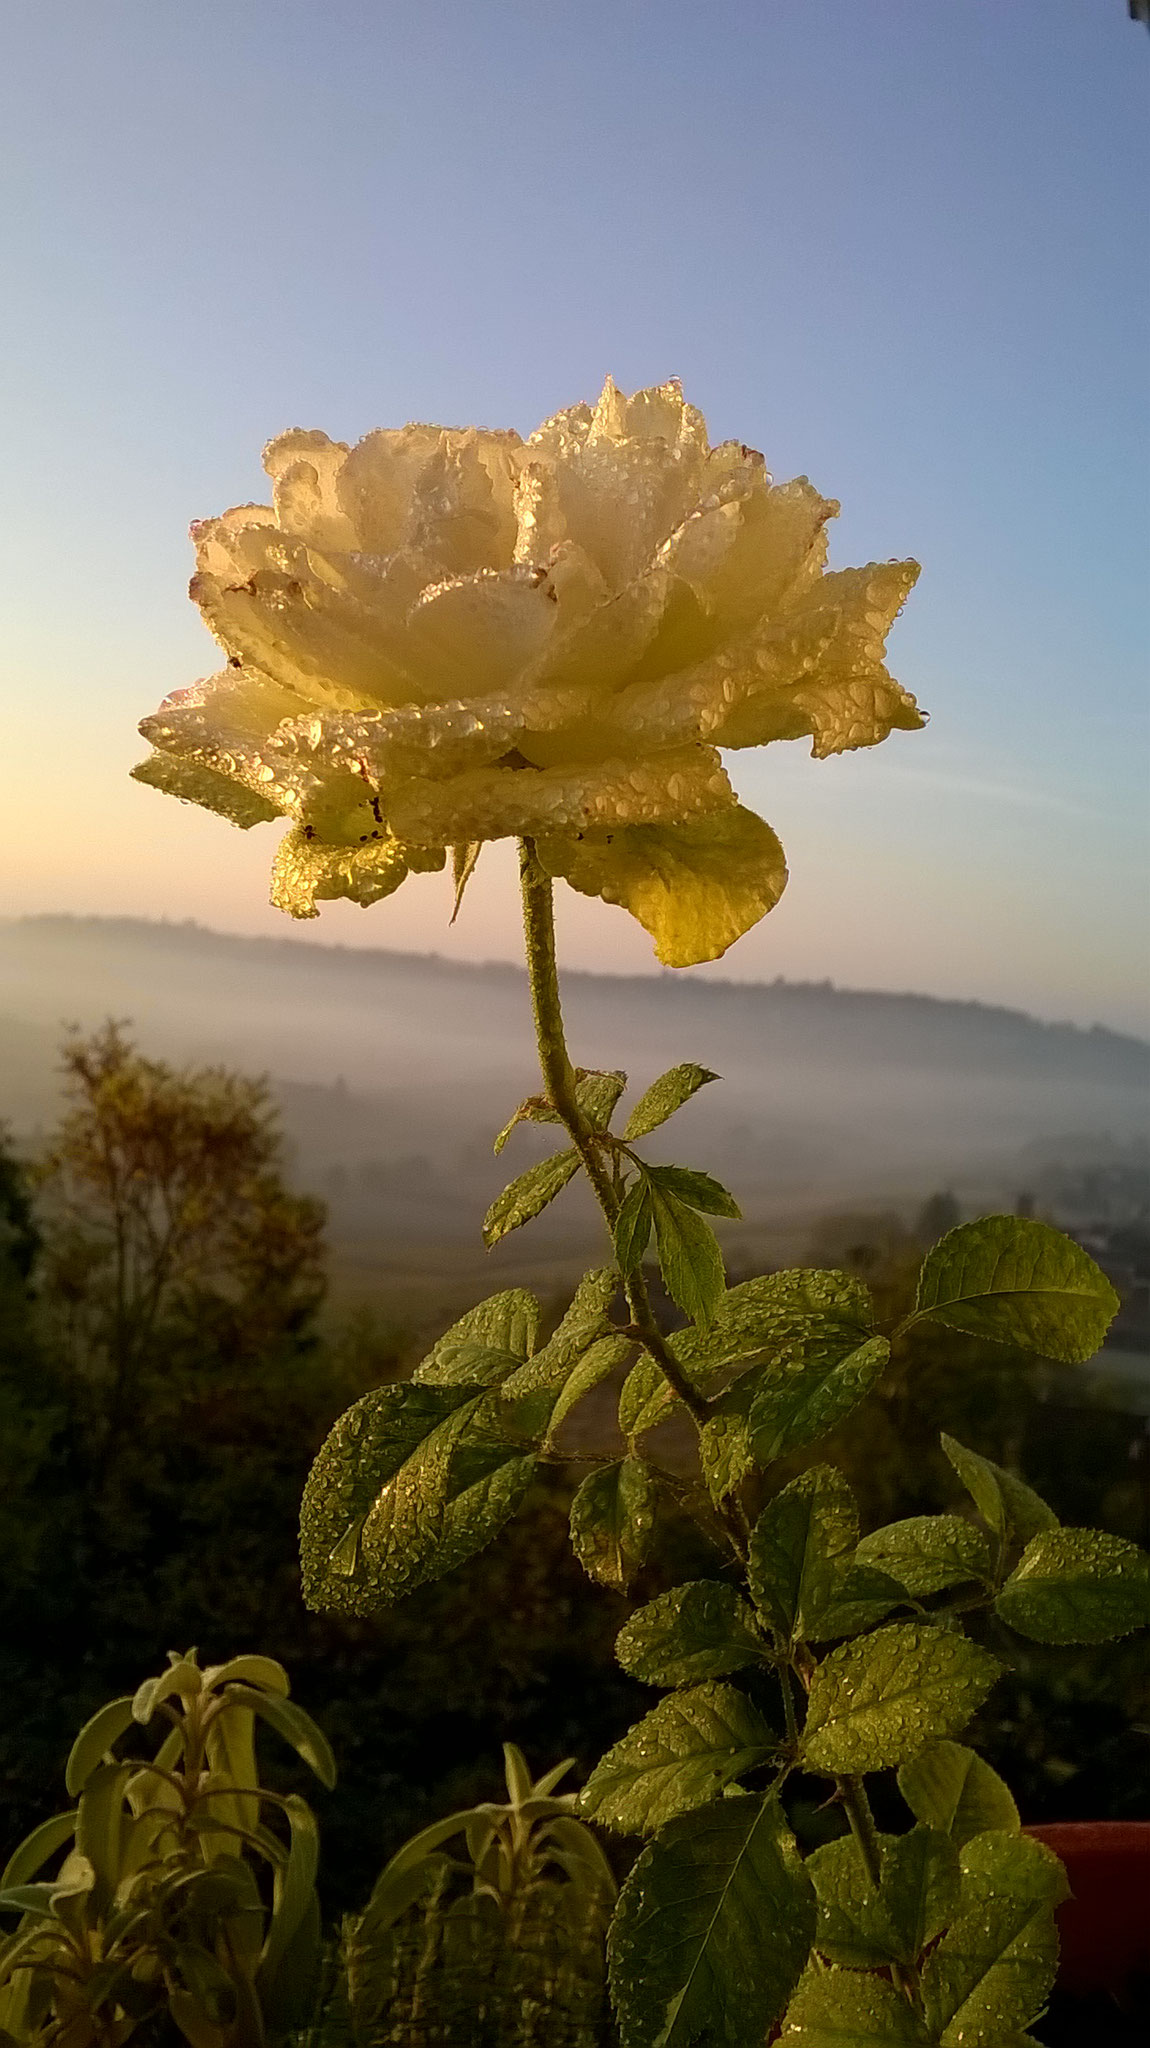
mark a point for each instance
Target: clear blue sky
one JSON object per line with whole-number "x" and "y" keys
{"x": 900, "y": 245}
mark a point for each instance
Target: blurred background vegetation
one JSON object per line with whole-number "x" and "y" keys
{"x": 169, "y": 1365}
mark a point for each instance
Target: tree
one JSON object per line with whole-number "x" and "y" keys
{"x": 171, "y": 1243}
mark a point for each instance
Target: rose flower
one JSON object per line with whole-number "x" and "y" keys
{"x": 448, "y": 635}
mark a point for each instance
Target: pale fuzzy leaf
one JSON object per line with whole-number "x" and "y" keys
{"x": 1021, "y": 1282}
{"x": 679, "y": 1756}
{"x": 877, "y": 1701}
{"x": 948, "y": 1786}
{"x": 712, "y": 1929}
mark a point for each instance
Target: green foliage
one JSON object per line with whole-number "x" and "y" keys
{"x": 712, "y": 1929}
{"x": 948, "y": 1786}
{"x": 664, "y": 1097}
{"x": 1019, "y": 1281}
{"x": 868, "y": 1929}
{"x": 994, "y": 1967}
{"x": 928, "y": 1553}
{"x": 157, "y": 1908}
{"x": 613, "y": 1521}
{"x": 1010, "y": 1508}
{"x": 876, "y": 1701}
{"x": 486, "y": 1928}
{"x": 1077, "y": 1586}
{"x": 700, "y": 1630}
{"x": 682, "y": 1754}
{"x": 528, "y": 1195}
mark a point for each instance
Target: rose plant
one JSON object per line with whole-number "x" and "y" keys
{"x": 442, "y": 637}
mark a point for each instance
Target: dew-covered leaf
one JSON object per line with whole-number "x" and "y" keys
{"x": 927, "y": 1553}
{"x": 846, "y": 2009}
{"x": 679, "y": 1756}
{"x": 528, "y": 1195}
{"x": 1077, "y": 1586}
{"x": 799, "y": 1548}
{"x": 701, "y": 1630}
{"x": 994, "y": 1968}
{"x": 383, "y": 1510}
{"x": 613, "y": 1521}
{"x": 1007, "y": 1505}
{"x": 689, "y": 1256}
{"x": 768, "y": 1318}
{"x": 664, "y": 1097}
{"x": 809, "y": 1396}
{"x": 505, "y": 1323}
{"x": 712, "y": 1929}
{"x": 596, "y": 1093}
{"x": 950, "y": 1787}
{"x": 698, "y": 1190}
{"x": 875, "y": 1702}
{"x": 1021, "y": 1282}
{"x": 632, "y": 1229}
{"x": 865, "y": 1929}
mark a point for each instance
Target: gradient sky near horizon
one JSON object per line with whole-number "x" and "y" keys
{"x": 902, "y": 246}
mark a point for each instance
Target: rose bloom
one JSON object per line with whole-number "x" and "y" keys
{"x": 447, "y": 635}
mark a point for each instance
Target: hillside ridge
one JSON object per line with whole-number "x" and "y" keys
{"x": 188, "y": 936}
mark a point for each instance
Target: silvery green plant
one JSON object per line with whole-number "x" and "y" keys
{"x": 821, "y": 1651}
{"x": 183, "y": 1910}
{"x": 485, "y": 1930}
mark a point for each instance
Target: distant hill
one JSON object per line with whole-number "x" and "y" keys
{"x": 394, "y": 1069}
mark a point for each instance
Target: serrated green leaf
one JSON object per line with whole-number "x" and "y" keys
{"x": 689, "y": 1256}
{"x": 664, "y": 1097}
{"x": 928, "y": 1553}
{"x": 769, "y": 1316}
{"x": 796, "y": 1406}
{"x": 1020, "y": 1282}
{"x": 859, "y": 1599}
{"x": 700, "y": 1630}
{"x": 918, "y": 1891}
{"x": 613, "y": 1521}
{"x": 596, "y": 1093}
{"x": 94, "y": 1742}
{"x": 698, "y": 1190}
{"x": 506, "y": 1324}
{"x": 529, "y": 1194}
{"x": 632, "y": 1231}
{"x": 799, "y": 1548}
{"x": 948, "y": 1786}
{"x": 1077, "y": 1586}
{"x": 679, "y": 1756}
{"x": 994, "y": 1967}
{"x": 1007, "y": 1505}
{"x": 845, "y": 2009}
{"x": 711, "y": 1931}
{"x": 584, "y": 1322}
{"x": 592, "y": 1369}
{"x": 383, "y": 1510}
{"x": 877, "y": 1701}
